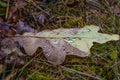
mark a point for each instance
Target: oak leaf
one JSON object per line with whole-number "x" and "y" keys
{"x": 58, "y": 43}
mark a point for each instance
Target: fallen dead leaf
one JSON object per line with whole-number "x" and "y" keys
{"x": 58, "y": 43}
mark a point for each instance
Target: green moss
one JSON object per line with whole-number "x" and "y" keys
{"x": 75, "y": 21}
{"x": 3, "y": 4}
{"x": 40, "y": 76}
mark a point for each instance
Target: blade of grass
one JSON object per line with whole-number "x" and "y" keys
{"x": 81, "y": 73}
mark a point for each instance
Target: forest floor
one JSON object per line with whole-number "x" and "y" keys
{"x": 38, "y": 15}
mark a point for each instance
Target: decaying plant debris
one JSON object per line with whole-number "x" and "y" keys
{"x": 30, "y": 45}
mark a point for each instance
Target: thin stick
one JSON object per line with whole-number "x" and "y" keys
{"x": 7, "y": 9}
